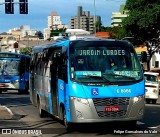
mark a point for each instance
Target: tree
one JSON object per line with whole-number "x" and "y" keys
{"x": 57, "y": 32}
{"x": 117, "y": 32}
{"x": 143, "y": 22}
{"x": 26, "y": 51}
{"x": 98, "y": 26}
{"x": 39, "y": 34}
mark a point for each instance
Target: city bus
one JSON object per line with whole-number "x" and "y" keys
{"x": 14, "y": 72}
{"x": 72, "y": 79}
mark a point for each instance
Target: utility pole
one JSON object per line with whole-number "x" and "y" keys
{"x": 95, "y": 17}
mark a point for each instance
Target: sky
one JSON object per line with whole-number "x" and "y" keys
{"x": 40, "y": 9}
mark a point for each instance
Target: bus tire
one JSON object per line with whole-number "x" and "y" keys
{"x": 67, "y": 124}
{"x": 42, "y": 113}
{"x": 154, "y": 101}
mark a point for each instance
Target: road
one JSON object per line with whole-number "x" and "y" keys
{"x": 27, "y": 119}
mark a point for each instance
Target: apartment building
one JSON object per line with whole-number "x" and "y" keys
{"x": 117, "y": 17}
{"x": 83, "y": 20}
{"x": 54, "y": 21}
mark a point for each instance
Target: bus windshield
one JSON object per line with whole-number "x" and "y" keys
{"x": 9, "y": 67}
{"x": 103, "y": 62}
{"x": 150, "y": 78}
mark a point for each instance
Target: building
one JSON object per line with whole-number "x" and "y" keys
{"x": 54, "y": 21}
{"x": 103, "y": 34}
{"x": 47, "y": 32}
{"x": 84, "y": 21}
{"x": 155, "y": 61}
{"x": 24, "y": 36}
{"x": 117, "y": 17}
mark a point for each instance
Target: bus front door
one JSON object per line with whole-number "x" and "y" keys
{"x": 54, "y": 89}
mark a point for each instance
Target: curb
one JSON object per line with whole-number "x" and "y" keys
{"x": 5, "y": 113}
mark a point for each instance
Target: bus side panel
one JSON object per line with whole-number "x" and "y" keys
{"x": 40, "y": 91}
{"x": 46, "y": 87}
{"x": 24, "y": 81}
{"x": 61, "y": 93}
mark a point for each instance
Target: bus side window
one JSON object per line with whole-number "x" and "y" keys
{"x": 39, "y": 62}
{"x": 62, "y": 69}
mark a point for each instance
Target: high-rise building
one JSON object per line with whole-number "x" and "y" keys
{"x": 54, "y": 20}
{"x": 83, "y": 20}
{"x": 117, "y": 17}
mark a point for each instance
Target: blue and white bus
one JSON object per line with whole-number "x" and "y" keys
{"x": 14, "y": 72}
{"x": 87, "y": 79}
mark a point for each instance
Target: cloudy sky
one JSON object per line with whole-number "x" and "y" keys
{"x": 40, "y": 9}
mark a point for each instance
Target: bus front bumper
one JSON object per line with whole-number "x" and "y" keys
{"x": 10, "y": 85}
{"x": 83, "y": 112}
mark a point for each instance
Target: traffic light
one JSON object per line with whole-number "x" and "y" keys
{"x": 9, "y": 8}
{"x": 23, "y": 6}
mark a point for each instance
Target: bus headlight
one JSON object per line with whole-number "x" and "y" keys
{"x": 138, "y": 98}
{"x": 81, "y": 100}
{"x": 155, "y": 91}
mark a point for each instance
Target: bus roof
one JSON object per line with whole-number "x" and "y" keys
{"x": 65, "y": 42}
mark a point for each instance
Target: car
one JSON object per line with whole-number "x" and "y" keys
{"x": 151, "y": 87}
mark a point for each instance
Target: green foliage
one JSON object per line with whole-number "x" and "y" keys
{"x": 116, "y": 32}
{"x": 26, "y": 51}
{"x": 98, "y": 26}
{"x": 144, "y": 18}
{"x": 39, "y": 34}
{"x": 57, "y": 32}
{"x": 143, "y": 22}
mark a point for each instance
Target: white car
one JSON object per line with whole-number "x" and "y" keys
{"x": 151, "y": 87}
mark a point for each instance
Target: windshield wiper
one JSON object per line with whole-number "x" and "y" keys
{"x": 121, "y": 76}
{"x": 76, "y": 80}
{"x": 98, "y": 77}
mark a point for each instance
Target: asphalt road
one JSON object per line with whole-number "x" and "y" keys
{"x": 27, "y": 120}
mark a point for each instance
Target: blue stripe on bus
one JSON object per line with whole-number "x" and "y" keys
{"x": 80, "y": 91}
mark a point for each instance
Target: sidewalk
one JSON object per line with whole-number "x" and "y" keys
{"x": 5, "y": 113}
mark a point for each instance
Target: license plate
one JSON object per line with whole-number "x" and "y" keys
{"x": 112, "y": 108}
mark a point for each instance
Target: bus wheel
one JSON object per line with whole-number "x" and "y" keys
{"x": 154, "y": 101}
{"x": 67, "y": 124}
{"x": 40, "y": 110}
{"x": 0, "y": 91}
